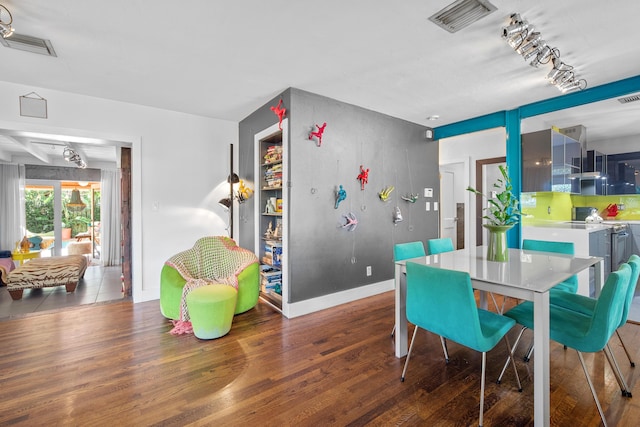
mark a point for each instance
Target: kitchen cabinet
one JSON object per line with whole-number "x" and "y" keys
{"x": 551, "y": 161}
{"x": 634, "y": 229}
{"x": 623, "y": 173}
{"x": 600, "y": 245}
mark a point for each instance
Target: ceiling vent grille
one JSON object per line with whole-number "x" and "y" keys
{"x": 628, "y": 99}
{"x": 462, "y": 13}
{"x": 29, "y": 44}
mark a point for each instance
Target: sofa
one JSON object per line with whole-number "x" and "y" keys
{"x": 212, "y": 259}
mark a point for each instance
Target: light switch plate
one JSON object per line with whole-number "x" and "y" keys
{"x": 428, "y": 192}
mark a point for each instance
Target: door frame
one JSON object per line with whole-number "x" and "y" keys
{"x": 479, "y": 205}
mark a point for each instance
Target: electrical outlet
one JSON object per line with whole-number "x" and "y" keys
{"x": 435, "y": 206}
{"x": 428, "y": 206}
{"x": 368, "y": 270}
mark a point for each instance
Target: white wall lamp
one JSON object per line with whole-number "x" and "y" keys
{"x": 5, "y": 22}
{"x": 520, "y": 35}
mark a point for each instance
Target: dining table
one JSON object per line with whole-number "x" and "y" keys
{"x": 526, "y": 275}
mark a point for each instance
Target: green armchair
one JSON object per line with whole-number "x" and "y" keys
{"x": 215, "y": 259}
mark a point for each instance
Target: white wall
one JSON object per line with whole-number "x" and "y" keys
{"x": 179, "y": 161}
{"x": 471, "y": 147}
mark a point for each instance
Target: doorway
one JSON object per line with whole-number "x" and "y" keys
{"x": 454, "y": 202}
{"x": 487, "y": 171}
{"x": 63, "y": 217}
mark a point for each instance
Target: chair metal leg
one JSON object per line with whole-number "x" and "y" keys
{"x": 484, "y": 365}
{"x": 616, "y": 371}
{"x": 593, "y": 391}
{"x": 527, "y": 357}
{"x": 495, "y": 303}
{"x": 406, "y": 361}
{"x": 513, "y": 363}
{"x": 633, "y": 365}
{"x": 443, "y": 341}
{"x": 513, "y": 350}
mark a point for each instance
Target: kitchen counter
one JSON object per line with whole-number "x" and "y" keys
{"x": 582, "y": 226}
{"x": 579, "y": 233}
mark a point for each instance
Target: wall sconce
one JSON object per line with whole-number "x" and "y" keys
{"x": 520, "y": 35}
{"x": 5, "y": 22}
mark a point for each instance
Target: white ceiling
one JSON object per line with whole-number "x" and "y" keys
{"x": 225, "y": 59}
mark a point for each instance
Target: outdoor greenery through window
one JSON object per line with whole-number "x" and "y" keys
{"x": 39, "y": 210}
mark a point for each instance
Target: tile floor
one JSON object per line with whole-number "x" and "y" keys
{"x": 100, "y": 284}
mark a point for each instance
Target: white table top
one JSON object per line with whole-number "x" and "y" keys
{"x": 533, "y": 271}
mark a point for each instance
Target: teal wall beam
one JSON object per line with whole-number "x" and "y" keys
{"x": 514, "y": 164}
{"x": 587, "y": 96}
{"x": 489, "y": 121}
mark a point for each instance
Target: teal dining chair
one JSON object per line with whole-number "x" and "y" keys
{"x": 586, "y": 306}
{"x": 441, "y": 301}
{"x": 438, "y": 246}
{"x": 402, "y": 251}
{"x": 567, "y": 248}
{"x": 569, "y": 285}
{"x": 585, "y": 334}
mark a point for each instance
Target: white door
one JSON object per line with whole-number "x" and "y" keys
{"x": 453, "y": 182}
{"x": 448, "y": 209}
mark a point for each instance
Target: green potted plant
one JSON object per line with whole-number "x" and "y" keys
{"x": 501, "y": 214}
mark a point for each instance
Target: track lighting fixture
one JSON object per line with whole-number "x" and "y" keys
{"x": 70, "y": 155}
{"x": 520, "y": 36}
{"x": 6, "y": 30}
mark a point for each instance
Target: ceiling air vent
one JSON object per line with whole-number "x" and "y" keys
{"x": 29, "y": 44}
{"x": 628, "y": 99}
{"x": 462, "y": 13}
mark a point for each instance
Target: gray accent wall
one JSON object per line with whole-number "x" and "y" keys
{"x": 324, "y": 257}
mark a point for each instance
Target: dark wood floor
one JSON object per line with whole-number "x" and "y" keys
{"x": 116, "y": 364}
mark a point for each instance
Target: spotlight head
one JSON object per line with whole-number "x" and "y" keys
{"x": 6, "y": 30}
{"x": 225, "y": 203}
{"x": 67, "y": 154}
{"x": 542, "y": 57}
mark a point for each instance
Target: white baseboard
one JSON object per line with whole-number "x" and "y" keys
{"x": 327, "y": 301}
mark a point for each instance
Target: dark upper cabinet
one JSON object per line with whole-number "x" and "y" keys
{"x": 551, "y": 161}
{"x": 623, "y": 172}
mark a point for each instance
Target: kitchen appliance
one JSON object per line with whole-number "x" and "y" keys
{"x": 612, "y": 210}
{"x": 593, "y": 217}
{"x": 580, "y": 213}
{"x": 620, "y": 245}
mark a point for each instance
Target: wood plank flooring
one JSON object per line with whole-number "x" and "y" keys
{"x": 116, "y": 364}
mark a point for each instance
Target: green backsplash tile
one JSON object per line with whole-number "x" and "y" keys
{"x": 550, "y": 206}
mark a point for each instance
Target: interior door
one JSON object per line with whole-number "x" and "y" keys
{"x": 448, "y": 205}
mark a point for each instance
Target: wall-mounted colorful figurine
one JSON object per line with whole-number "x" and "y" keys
{"x": 318, "y": 133}
{"x": 363, "y": 177}
{"x": 385, "y": 193}
{"x": 397, "y": 215}
{"x": 280, "y": 112}
{"x": 244, "y": 192}
{"x": 341, "y": 194}
{"x": 351, "y": 221}
{"x": 411, "y": 198}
